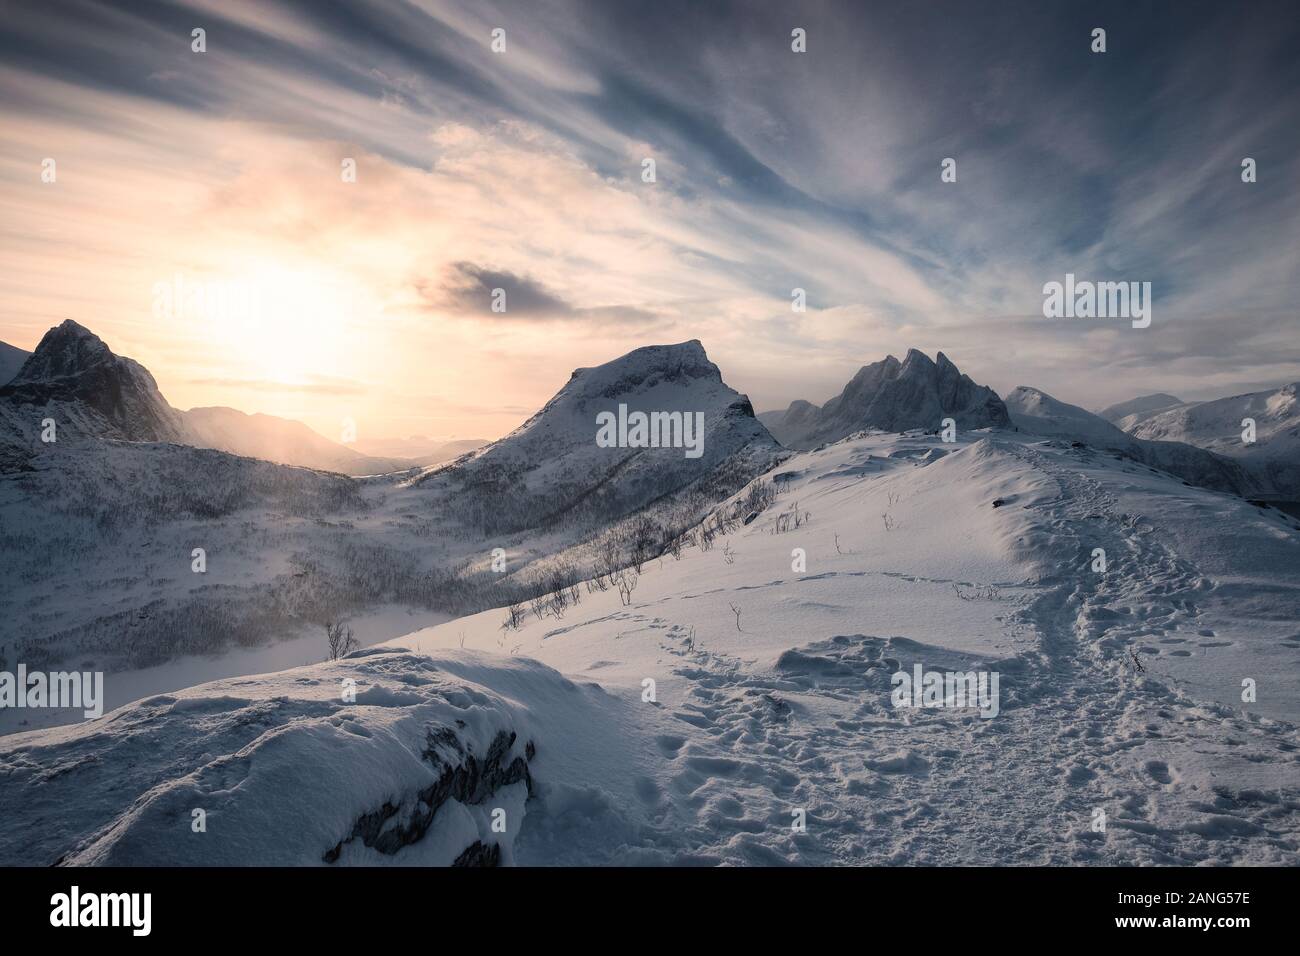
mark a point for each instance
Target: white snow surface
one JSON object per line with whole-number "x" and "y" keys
{"x": 783, "y": 708}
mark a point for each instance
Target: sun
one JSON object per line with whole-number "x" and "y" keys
{"x": 285, "y": 324}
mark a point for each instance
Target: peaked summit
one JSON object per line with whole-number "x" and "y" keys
{"x": 74, "y": 376}
{"x": 560, "y": 465}
{"x": 892, "y": 396}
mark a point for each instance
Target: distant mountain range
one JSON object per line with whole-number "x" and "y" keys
{"x": 1199, "y": 442}
{"x": 1273, "y": 458}
{"x": 1217, "y": 425}
{"x": 92, "y": 393}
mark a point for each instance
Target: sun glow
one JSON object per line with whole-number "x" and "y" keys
{"x": 290, "y": 325}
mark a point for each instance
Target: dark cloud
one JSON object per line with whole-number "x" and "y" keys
{"x": 469, "y": 289}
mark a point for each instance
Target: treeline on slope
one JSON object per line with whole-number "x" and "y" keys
{"x": 335, "y": 572}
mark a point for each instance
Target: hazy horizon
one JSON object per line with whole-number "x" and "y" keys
{"x": 328, "y": 430}
{"x": 224, "y": 170}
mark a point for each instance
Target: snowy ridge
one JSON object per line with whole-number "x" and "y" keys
{"x": 1124, "y": 415}
{"x": 1038, "y": 413}
{"x": 773, "y": 694}
{"x": 289, "y": 773}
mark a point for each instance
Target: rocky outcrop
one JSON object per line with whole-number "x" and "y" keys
{"x": 74, "y": 378}
{"x": 461, "y": 776}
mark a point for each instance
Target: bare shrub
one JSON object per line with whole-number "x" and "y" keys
{"x": 339, "y": 639}
{"x": 514, "y": 618}
{"x": 626, "y": 581}
{"x": 790, "y": 520}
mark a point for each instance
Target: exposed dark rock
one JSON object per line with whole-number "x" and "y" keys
{"x": 72, "y": 368}
{"x": 479, "y": 854}
{"x": 465, "y": 778}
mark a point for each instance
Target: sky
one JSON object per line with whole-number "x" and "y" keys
{"x": 201, "y": 219}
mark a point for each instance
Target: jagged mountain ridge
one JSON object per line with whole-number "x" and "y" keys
{"x": 892, "y": 396}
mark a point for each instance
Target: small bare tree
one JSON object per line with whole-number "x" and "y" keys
{"x": 514, "y": 617}
{"x": 736, "y": 611}
{"x": 626, "y": 581}
{"x": 340, "y": 640}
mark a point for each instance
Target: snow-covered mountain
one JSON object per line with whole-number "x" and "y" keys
{"x": 11, "y": 360}
{"x": 1125, "y": 414}
{"x": 1273, "y": 458}
{"x": 288, "y": 548}
{"x": 1217, "y": 425}
{"x": 281, "y": 440}
{"x": 772, "y": 695}
{"x": 892, "y": 396}
{"x": 552, "y": 468}
{"x": 73, "y": 378}
{"x": 1036, "y": 412}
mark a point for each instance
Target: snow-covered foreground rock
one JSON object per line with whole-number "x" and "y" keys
{"x": 289, "y": 772}
{"x": 1120, "y": 697}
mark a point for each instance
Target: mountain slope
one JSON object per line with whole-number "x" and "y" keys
{"x": 280, "y": 440}
{"x": 893, "y": 396}
{"x": 11, "y": 360}
{"x": 553, "y": 468}
{"x": 772, "y": 694}
{"x": 1038, "y": 413}
{"x": 1136, "y": 409}
{"x": 1216, "y": 425}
